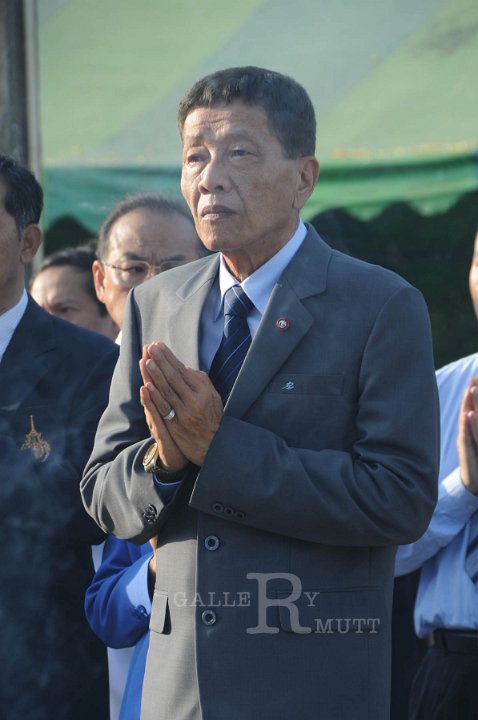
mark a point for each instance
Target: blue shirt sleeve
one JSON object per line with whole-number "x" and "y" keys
{"x": 117, "y": 603}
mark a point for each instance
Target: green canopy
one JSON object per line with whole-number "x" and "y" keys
{"x": 393, "y": 83}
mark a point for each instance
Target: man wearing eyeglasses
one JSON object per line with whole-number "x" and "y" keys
{"x": 143, "y": 235}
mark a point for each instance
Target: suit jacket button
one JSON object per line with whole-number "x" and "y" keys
{"x": 229, "y": 511}
{"x": 150, "y": 514}
{"x": 218, "y": 507}
{"x": 212, "y": 543}
{"x": 239, "y": 515}
{"x": 139, "y": 611}
{"x": 208, "y": 617}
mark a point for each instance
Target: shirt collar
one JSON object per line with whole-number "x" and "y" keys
{"x": 259, "y": 285}
{"x": 10, "y": 320}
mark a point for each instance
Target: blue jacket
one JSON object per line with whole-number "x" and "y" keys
{"x": 118, "y": 607}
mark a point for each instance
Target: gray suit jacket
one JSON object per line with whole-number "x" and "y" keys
{"x": 275, "y": 558}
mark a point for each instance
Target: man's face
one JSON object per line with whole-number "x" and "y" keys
{"x": 243, "y": 193}
{"x": 11, "y": 268}
{"x": 141, "y": 236}
{"x": 473, "y": 277}
{"x": 62, "y": 291}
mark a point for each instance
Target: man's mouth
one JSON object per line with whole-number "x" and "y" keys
{"x": 213, "y": 212}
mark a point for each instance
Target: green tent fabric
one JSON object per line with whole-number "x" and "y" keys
{"x": 392, "y": 82}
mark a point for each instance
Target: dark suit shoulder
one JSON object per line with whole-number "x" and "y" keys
{"x": 51, "y": 341}
{"x": 76, "y": 338}
{"x": 67, "y": 338}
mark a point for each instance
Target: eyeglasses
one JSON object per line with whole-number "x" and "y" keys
{"x": 135, "y": 272}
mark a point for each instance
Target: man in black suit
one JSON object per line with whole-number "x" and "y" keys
{"x": 54, "y": 383}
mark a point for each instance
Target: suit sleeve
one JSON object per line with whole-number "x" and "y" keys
{"x": 380, "y": 491}
{"x": 117, "y": 492}
{"x": 117, "y": 609}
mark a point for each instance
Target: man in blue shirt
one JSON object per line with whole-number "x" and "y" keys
{"x": 447, "y": 600}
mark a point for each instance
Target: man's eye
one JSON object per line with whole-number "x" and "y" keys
{"x": 135, "y": 269}
{"x": 193, "y": 159}
{"x": 238, "y": 152}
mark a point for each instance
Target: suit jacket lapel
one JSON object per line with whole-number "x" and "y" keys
{"x": 186, "y": 322}
{"x": 27, "y": 358}
{"x": 272, "y": 346}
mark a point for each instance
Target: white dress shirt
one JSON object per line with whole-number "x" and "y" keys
{"x": 446, "y": 595}
{"x": 9, "y": 322}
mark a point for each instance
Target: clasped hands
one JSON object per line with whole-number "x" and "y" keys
{"x": 467, "y": 441}
{"x": 169, "y": 385}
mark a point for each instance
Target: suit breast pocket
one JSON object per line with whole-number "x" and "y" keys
{"x": 312, "y": 411}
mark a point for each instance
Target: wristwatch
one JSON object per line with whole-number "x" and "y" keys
{"x": 151, "y": 459}
{"x": 152, "y": 464}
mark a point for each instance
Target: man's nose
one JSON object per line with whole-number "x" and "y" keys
{"x": 214, "y": 177}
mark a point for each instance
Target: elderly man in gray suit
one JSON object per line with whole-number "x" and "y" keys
{"x": 273, "y": 421}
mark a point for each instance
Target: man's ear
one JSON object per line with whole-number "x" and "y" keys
{"x": 308, "y": 168}
{"x": 31, "y": 240}
{"x": 99, "y": 279}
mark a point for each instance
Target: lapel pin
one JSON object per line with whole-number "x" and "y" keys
{"x": 289, "y": 385}
{"x": 282, "y": 324}
{"x": 35, "y": 442}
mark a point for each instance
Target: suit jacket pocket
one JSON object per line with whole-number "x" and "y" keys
{"x": 159, "y": 609}
{"x": 329, "y": 611}
{"x": 297, "y": 384}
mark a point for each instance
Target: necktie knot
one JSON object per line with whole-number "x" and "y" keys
{"x": 236, "y": 302}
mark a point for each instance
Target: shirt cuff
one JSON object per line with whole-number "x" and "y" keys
{"x": 166, "y": 490}
{"x": 137, "y": 588}
{"x": 457, "y": 502}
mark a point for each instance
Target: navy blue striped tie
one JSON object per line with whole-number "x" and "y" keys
{"x": 471, "y": 557}
{"x": 235, "y": 341}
